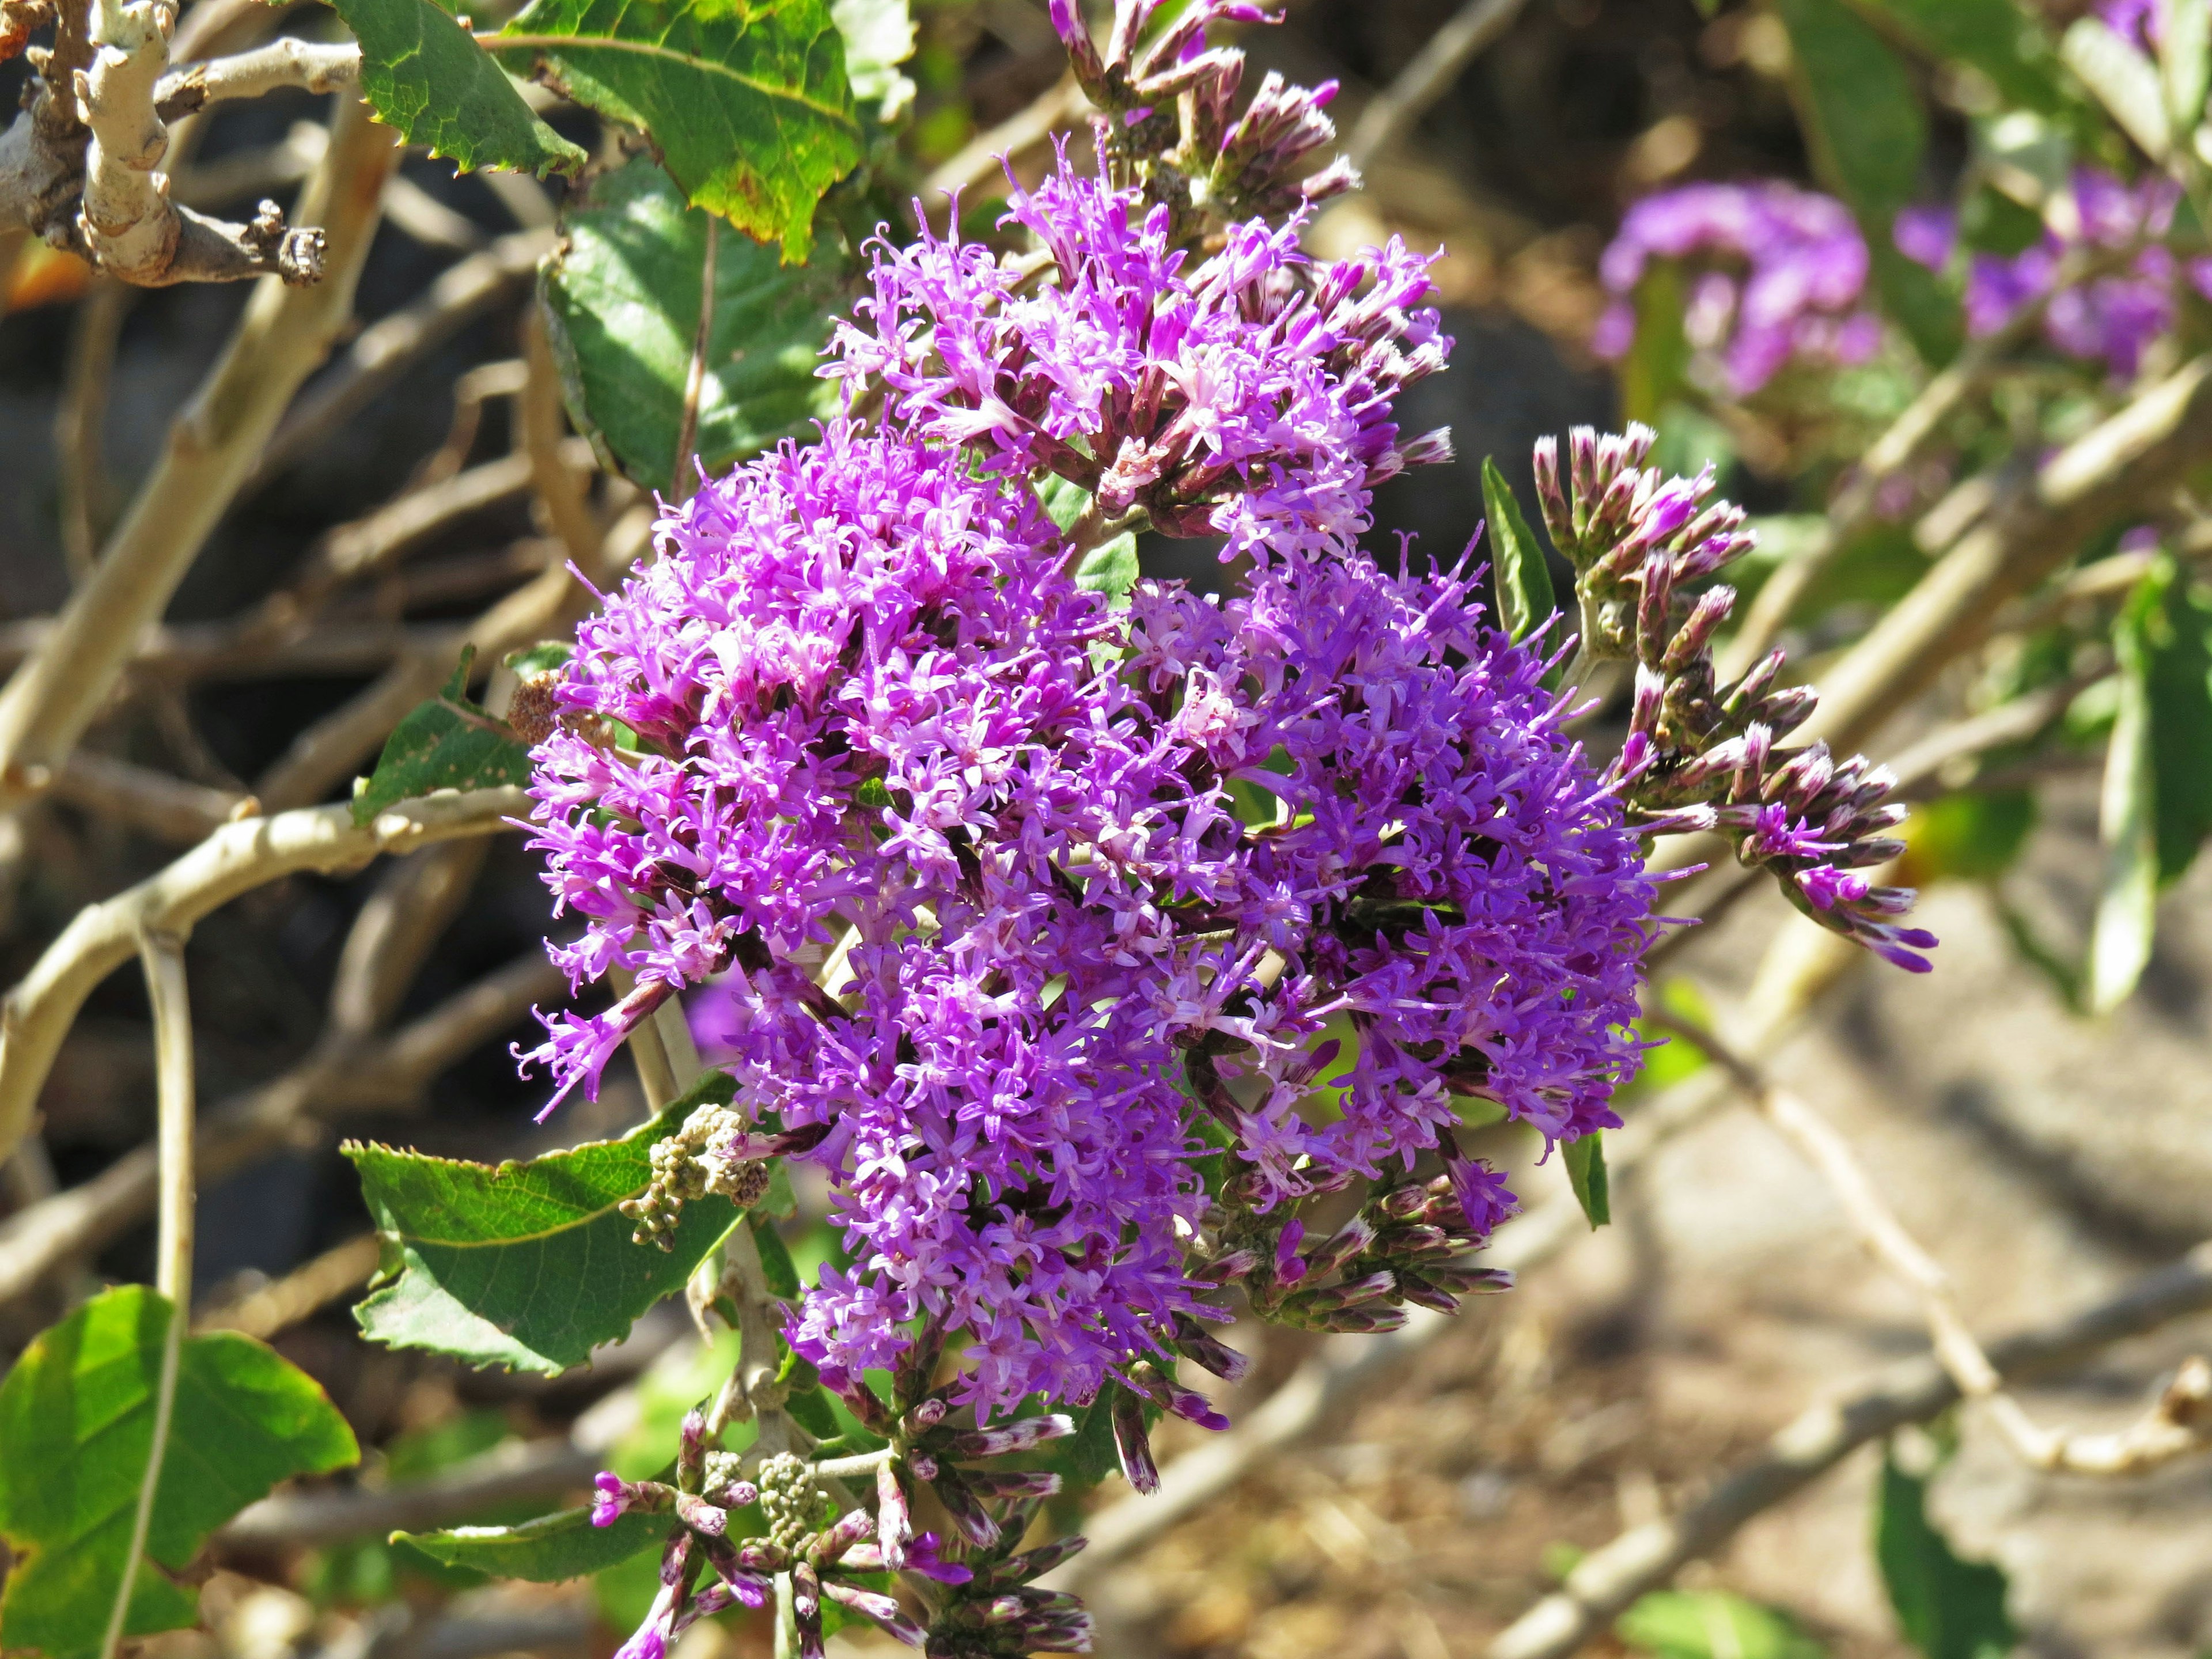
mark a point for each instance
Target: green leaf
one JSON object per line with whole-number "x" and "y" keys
{"x": 1087, "y": 1457}
{"x": 77, "y": 1426}
{"x": 1996, "y": 37}
{"x": 1109, "y": 568}
{"x": 776, "y": 1266}
{"x": 447, "y": 742}
{"x": 622, "y": 302}
{"x": 1711, "y": 1625}
{"x": 879, "y": 37}
{"x": 425, "y": 75}
{"x": 1862, "y": 114}
{"x": 1971, "y": 837}
{"x": 1585, "y": 1160}
{"x": 747, "y": 104}
{"x": 542, "y": 658}
{"x": 1524, "y": 583}
{"x": 2124, "y": 81}
{"x": 546, "y": 1551}
{"x": 2157, "y": 803}
{"x": 2184, "y": 59}
{"x": 1656, "y": 367}
{"x": 527, "y": 1266}
{"x": 1948, "y": 1608}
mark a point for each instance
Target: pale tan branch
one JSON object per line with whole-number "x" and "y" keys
{"x": 167, "y": 808}
{"x": 386, "y": 348}
{"x": 1604, "y": 1583}
{"x": 308, "y": 65}
{"x": 36, "y": 1014}
{"x": 388, "y": 1073}
{"x": 275, "y": 1307}
{"x": 1060, "y": 106}
{"x": 285, "y": 332}
{"x": 1429, "y": 76}
{"x": 2180, "y": 1423}
{"x": 2029, "y": 533}
{"x": 517, "y": 1472}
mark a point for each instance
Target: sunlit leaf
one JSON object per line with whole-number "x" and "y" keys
{"x": 1947, "y": 1607}
{"x": 1711, "y": 1625}
{"x": 448, "y": 743}
{"x": 77, "y": 1427}
{"x": 1517, "y": 559}
{"x": 1585, "y": 1162}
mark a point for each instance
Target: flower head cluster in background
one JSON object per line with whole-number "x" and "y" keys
{"x": 1780, "y": 273}
{"x": 2108, "y": 285}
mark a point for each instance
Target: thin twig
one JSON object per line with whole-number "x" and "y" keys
{"x": 163, "y": 955}
{"x": 308, "y": 65}
{"x": 37, "y": 1012}
{"x": 545, "y": 432}
{"x": 2180, "y": 1424}
{"x": 300, "y": 1294}
{"x": 168, "y": 808}
{"x": 517, "y": 1472}
{"x": 1429, "y": 76}
{"x": 284, "y": 335}
{"x": 1607, "y": 1581}
{"x": 79, "y": 445}
{"x": 683, "y": 474}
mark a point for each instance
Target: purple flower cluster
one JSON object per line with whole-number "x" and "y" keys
{"x": 1783, "y": 272}
{"x": 2110, "y": 315}
{"x": 984, "y": 862}
{"x": 1702, "y": 758}
{"x": 1246, "y": 396}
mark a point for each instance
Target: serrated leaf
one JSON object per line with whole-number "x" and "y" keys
{"x": 524, "y": 1265}
{"x": 1711, "y": 1625}
{"x": 426, "y": 76}
{"x": 1996, "y": 37}
{"x": 447, "y": 742}
{"x": 546, "y": 1551}
{"x": 77, "y": 1426}
{"x": 622, "y": 301}
{"x": 2124, "y": 81}
{"x": 1948, "y": 1608}
{"x": 747, "y": 104}
{"x": 1517, "y": 560}
{"x": 1585, "y": 1161}
{"x": 879, "y": 37}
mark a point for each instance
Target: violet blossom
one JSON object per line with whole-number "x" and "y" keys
{"x": 1782, "y": 272}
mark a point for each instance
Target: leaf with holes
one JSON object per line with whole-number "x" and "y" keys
{"x": 621, "y": 302}
{"x": 77, "y": 1426}
{"x": 747, "y": 104}
{"x": 525, "y": 1265}
{"x": 447, "y": 742}
{"x": 423, "y": 73}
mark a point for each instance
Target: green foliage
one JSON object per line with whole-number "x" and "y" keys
{"x": 447, "y": 742}
{"x": 1656, "y": 369}
{"x": 1676, "y": 1058}
{"x": 1948, "y": 1608}
{"x": 76, "y": 1428}
{"x": 1110, "y": 568}
{"x": 526, "y": 1266}
{"x": 2184, "y": 62}
{"x": 1971, "y": 835}
{"x": 1525, "y": 584}
{"x": 1711, "y": 1625}
{"x": 546, "y": 1551}
{"x": 622, "y": 296}
{"x": 747, "y": 105}
{"x": 1585, "y": 1162}
{"x": 424, "y": 73}
{"x": 1997, "y": 38}
{"x": 2124, "y": 80}
{"x": 542, "y": 658}
{"x": 368, "y": 1570}
{"x": 776, "y": 1266}
{"x": 2157, "y": 807}
{"x": 879, "y": 37}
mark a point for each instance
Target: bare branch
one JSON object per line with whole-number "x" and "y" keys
{"x": 284, "y": 335}
{"x": 2134, "y": 456}
{"x": 1607, "y": 1580}
{"x": 1429, "y": 76}
{"x": 308, "y": 65}
{"x": 517, "y": 1472}
{"x": 1060, "y": 106}
{"x": 2180, "y": 1424}
{"x": 298, "y": 1295}
{"x": 389, "y": 1072}
{"x": 37, "y": 1014}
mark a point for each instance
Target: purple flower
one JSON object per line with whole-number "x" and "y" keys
{"x": 1927, "y": 235}
{"x": 611, "y": 1496}
{"x": 1784, "y": 273}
